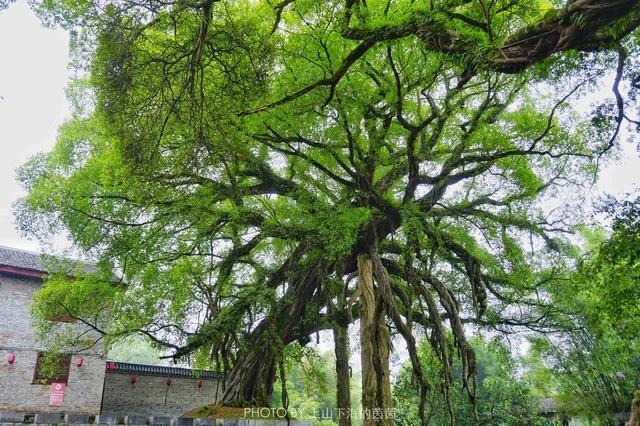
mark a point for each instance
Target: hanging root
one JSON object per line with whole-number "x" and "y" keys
{"x": 439, "y": 344}
{"x": 466, "y": 353}
{"x": 384, "y": 283}
{"x": 285, "y": 394}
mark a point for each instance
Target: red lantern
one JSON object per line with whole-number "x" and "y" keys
{"x": 199, "y": 383}
{"x": 111, "y": 366}
{"x": 133, "y": 379}
{"x": 79, "y": 362}
{"x": 11, "y": 358}
{"x": 168, "y": 382}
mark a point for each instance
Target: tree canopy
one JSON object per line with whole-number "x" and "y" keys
{"x": 240, "y": 162}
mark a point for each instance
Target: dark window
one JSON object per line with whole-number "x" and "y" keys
{"x": 51, "y": 369}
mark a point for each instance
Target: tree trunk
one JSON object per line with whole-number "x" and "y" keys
{"x": 286, "y": 315}
{"x": 635, "y": 410}
{"x": 242, "y": 386}
{"x": 383, "y": 345}
{"x": 250, "y": 383}
{"x": 343, "y": 397}
{"x": 374, "y": 347}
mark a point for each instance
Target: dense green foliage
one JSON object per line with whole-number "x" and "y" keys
{"x": 608, "y": 280}
{"x": 504, "y": 398}
{"x": 232, "y": 159}
{"x": 596, "y": 366}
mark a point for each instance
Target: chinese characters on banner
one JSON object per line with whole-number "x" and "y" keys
{"x": 56, "y": 396}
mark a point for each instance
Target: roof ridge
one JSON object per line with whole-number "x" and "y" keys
{"x": 41, "y": 262}
{"x": 163, "y": 370}
{"x": 2, "y": 246}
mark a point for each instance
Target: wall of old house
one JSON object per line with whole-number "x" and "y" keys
{"x": 83, "y": 393}
{"x": 150, "y": 395}
{"x": 90, "y": 389}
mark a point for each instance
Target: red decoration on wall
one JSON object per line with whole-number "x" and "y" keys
{"x": 111, "y": 366}
{"x": 199, "y": 383}
{"x": 133, "y": 379}
{"x": 167, "y": 382}
{"x": 11, "y": 358}
{"x": 79, "y": 362}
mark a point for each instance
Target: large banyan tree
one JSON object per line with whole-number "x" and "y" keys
{"x": 257, "y": 172}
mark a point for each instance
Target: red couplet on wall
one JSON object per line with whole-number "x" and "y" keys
{"x": 56, "y": 395}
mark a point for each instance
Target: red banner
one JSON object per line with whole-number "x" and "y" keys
{"x": 56, "y": 397}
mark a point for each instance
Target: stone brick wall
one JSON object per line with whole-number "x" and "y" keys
{"x": 17, "y": 393}
{"x": 150, "y": 396}
{"x": 15, "y": 324}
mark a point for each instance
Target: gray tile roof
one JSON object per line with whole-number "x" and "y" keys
{"x": 21, "y": 259}
{"x": 161, "y": 370}
{"x": 24, "y": 259}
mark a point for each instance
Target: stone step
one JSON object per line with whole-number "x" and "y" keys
{"x": 106, "y": 420}
{"x": 137, "y": 420}
{"x": 11, "y": 417}
{"x": 79, "y": 419}
{"x": 49, "y": 418}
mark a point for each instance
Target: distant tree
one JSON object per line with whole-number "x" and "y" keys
{"x": 503, "y": 398}
{"x": 597, "y": 365}
{"x": 135, "y": 350}
{"x": 309, "y": 385}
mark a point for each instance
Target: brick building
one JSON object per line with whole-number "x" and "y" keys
{"x": 87, "y": 382}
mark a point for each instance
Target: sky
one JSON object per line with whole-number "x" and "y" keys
{"x": 33, "y": 76}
